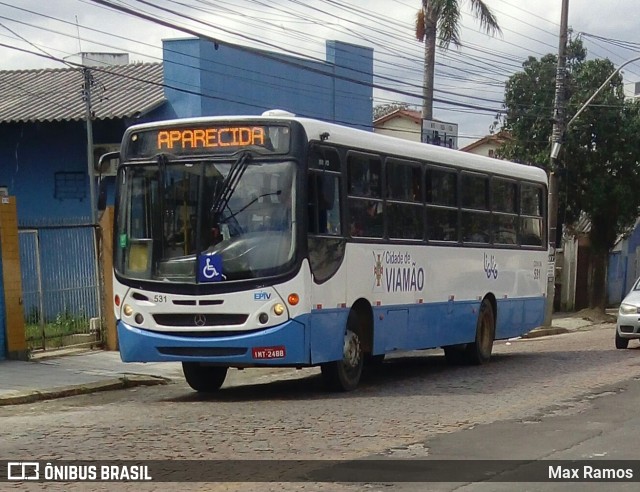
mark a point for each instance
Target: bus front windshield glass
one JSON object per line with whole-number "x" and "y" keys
{"x": 211, "y": 221}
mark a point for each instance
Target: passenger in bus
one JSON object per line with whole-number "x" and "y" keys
{"x": 366, "y": 220}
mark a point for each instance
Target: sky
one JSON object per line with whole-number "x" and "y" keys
{"x": 469, "y": 80}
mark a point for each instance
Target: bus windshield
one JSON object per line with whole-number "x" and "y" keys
{"x": 236, "y": 217}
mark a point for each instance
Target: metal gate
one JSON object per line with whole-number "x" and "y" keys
{"x": 60, "y": 286}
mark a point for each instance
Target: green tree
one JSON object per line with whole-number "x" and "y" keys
{"x": 439, "y": 20}
{"x": 599, "y": 169}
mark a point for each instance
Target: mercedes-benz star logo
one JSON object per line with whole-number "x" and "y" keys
{"x": 200, "y": 319}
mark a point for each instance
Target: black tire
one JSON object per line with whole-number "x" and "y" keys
{"x": 344, "y": 374}
{"x": 373, "y": 360}
{"x": 205, "y": 379}
{"x": 373, "y": 364}
{"x": 479, "y": 352}
{"x": 621, "y": 343}
{"x": 455, "y": 354}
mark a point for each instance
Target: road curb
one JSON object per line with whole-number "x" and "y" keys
{"x": 543, "y": 332}
{"x": 127, "y": 381}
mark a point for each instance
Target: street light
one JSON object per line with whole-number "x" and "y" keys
{"x": 553, "y": 201}
{"x": 604, "y": 84}
{"x": 555, "y": 148}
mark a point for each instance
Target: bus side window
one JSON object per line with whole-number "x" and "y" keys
{"x": 532, "y": 228}
{"x": 504, "y": 207}
{"x": 441, "y": 193}
{"x": 366, "y": 217}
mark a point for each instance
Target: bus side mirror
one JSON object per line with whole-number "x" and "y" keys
{"x": 108, "y": 163}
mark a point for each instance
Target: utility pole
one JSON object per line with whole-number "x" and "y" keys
{"x": 556, "y": 142}
{"x": 86, "y": 94}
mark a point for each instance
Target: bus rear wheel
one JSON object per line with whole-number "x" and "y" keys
{"x": 479, "y": 351}
{"x": 344, "y": 374}
{"x": 203, "y": 378}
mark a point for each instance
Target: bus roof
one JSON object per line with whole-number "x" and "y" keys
{"x": 375, "y": 142}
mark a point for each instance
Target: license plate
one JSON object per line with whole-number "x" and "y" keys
{"x": 269, "y": 352}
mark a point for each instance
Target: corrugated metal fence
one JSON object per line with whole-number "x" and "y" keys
{"x": 61, "y": 286}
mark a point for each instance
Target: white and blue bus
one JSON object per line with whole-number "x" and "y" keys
{"x": 282, "y": 241}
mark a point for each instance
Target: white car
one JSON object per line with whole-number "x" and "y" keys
{"x": 628, "y": 324}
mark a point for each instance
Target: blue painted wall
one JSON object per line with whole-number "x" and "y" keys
{"x": 30, "y": 156}
{"x": 235, "y": 80}
{"x": 620, "y": 273}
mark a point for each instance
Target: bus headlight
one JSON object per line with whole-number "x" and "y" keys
{"x": 278, "y": 309}
{"x": 127, "y": 310}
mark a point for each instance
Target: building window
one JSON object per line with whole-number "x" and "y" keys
{"x": 69, "y": 186}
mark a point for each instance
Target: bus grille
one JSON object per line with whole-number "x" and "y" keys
{"x": 200, "y": 319}
{"x": 202, "y": 351}
{"x": 207, "y": 334}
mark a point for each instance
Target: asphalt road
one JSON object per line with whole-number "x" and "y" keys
{"x": 571, "y": 396}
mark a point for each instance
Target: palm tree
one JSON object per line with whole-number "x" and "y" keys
{"x": 441, "y": 19}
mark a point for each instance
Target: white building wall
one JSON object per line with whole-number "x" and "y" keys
{"x": 485, "y": 149}
{"x": 400, "y": 128}
{"x": 569, "y": 274}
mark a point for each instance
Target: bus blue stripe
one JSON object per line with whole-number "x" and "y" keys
{"x": 317, "y": 337}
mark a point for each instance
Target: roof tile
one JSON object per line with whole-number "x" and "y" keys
{"x": 119, "y": 91}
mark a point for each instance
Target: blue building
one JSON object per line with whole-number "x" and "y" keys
{"x": 202, "y": 78}
{"x": 624, "y": 265}
{"x": 44, "y": 142}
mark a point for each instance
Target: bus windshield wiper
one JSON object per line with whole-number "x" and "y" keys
{"x": 273, "y": 193}
{"x": 229, "y": 185}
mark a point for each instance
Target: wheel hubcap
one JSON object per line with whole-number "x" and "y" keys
{"x": 351, "y": 351}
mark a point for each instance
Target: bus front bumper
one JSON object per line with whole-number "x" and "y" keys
{"x": 282, "y": 345}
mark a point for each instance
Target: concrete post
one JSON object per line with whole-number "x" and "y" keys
{"x": 16, "y": 345}
{"x": 106, "y": 255}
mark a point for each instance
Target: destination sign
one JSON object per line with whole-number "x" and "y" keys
{"x": 199, "y": 140}
{"x": 234, "y": 136}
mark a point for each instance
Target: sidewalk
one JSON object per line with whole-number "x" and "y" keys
{"x": 568, "y": 322}
{"x": 46, "y": 377}
{"x": 80, "y": 372}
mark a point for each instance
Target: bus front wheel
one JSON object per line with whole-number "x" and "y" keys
{"x": 202, "y": 378}
{"x": 344, "y": 374}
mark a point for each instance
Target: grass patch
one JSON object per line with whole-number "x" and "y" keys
{"x": 55, "y": 331}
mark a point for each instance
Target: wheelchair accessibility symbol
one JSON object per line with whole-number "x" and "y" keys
{"x": 210, "y": 268}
